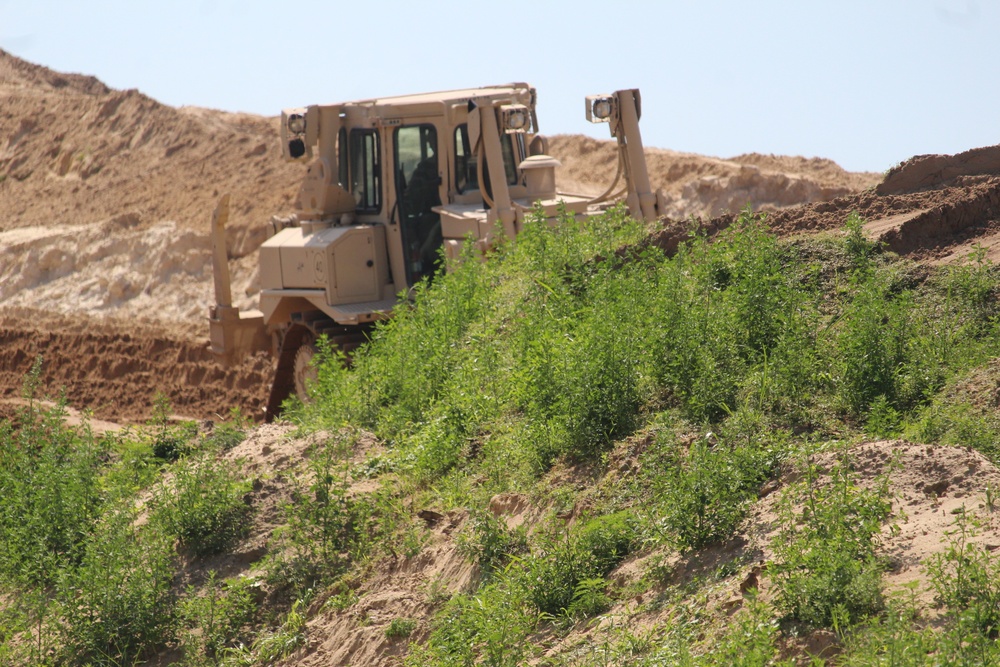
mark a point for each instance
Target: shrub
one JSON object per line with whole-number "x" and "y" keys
{"x": 827, "y": 562}
{"x": 859, "y": 249}
{"x": 326, "y": 527}
{"x": 50, "y": 493}
{"x": 400, "y": 628}
{"x": 271, "y": 647}
{"x": 974, "y": 283}
{"x": 206, "y": 506}
{"x": 949, "y": 422}
{"x": 490, "y": 628}
{"x": 216, "y": 617}
{"x": 118, "y": 606}
{"x": 491, "y": 543}
{"x": 967, "y": 580}
{"x": 701, "y": 495}
{"x": 871, "y": 347}
{"x": 170, "y": 442}
{"x": 553, "y": 574}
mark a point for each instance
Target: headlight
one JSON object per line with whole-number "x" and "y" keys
{"x": 514, "y": 118}
{"x": 600, "y": 108}
{"x": 296, "y": 123}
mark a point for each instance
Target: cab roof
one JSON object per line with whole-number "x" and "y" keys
{"x": 436, "y": 99}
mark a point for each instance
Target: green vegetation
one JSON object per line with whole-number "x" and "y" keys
{"x": 641, "y": 404}
{"x": 828, "y": 567}
{"x": 89, "y": 572}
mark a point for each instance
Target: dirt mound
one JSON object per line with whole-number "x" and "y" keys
{"x": 928, "y": 171}
{"x": 117, "y": 371}
{"x": 942, "y": 221}
{"x": 80, "y": 152}
{"x": 117, "y": 267}
{"x": 20, "y": 73}
{"x": 706, "y": 187}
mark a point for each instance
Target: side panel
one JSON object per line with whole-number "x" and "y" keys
{"x": 358, "y": 267}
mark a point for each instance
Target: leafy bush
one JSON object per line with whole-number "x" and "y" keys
{"x": 967, "y": 580}
{"x": 491, "y": 543}
{"x": 701, "y": 495}
{"x": 859, "y": 248}
{"x": 217, "y": 617}
{"x": 206, "y": 506}
{"x": 118, "y": 605}
{"x": 490, "y": 628}
{"x": 948, "y": 422}
{"x": 170, "y": 441}
{"x": 228, "y": 434}
{"x": 827, "y": 562}
{"x": 973, "y": 284}
{"x": 400, "y": 628}
{"x": 554, "y": 572}
{"x": 326, "y": 527}
{"x": 50, "y": 494}
{"x": 271, "y": 647}
{"x": 872, "y": 347}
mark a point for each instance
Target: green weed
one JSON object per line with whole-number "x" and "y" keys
{"x": 50, "y": 492}
{"x": 118, "y": 606}
{"x": 490, "y": 543}
{"x": 967, "y": 580}
{"x": 400, "y": 628}
{"x": 217, "y": 617}
{"x": 702, "y": 493}
{"x": 205, "y": 506}
{"x": 827, "y": 562}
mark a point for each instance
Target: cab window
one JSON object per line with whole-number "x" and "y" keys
{"x": 366, "y": 172}
{"x": 510, "y": 160}
{"x": 417, "y": 191}
{"x": 342, "y": 157}
{"x": 466, "y": 178}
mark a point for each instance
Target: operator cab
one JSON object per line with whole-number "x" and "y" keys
{"x": 399, "y": 162}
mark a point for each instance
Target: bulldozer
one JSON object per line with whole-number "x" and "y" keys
{"x": 393, "y": 188}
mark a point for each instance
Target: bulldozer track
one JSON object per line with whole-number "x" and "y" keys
{"x": 309, "y": 327}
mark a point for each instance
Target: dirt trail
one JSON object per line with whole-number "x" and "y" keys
{"x": 942, "y": 222}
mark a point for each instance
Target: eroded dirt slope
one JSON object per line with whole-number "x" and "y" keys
{"x": 941, "y": 220}
{"x": 706, "y": 187}
{"x": 927, "y": 486}
{"x": 117, "y": 372}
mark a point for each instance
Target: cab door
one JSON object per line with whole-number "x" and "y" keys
{"x": 418, "y": 183}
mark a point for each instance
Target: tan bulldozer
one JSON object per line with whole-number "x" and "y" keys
{"x": 394, "y": 187}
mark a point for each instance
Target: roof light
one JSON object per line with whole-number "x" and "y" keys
{"x": 601, "y": 108}
{"x": 297, "y": 123}
{"x": 514, "y": 118}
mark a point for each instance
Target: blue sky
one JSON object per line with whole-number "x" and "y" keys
{"x": 867, "y": 83}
